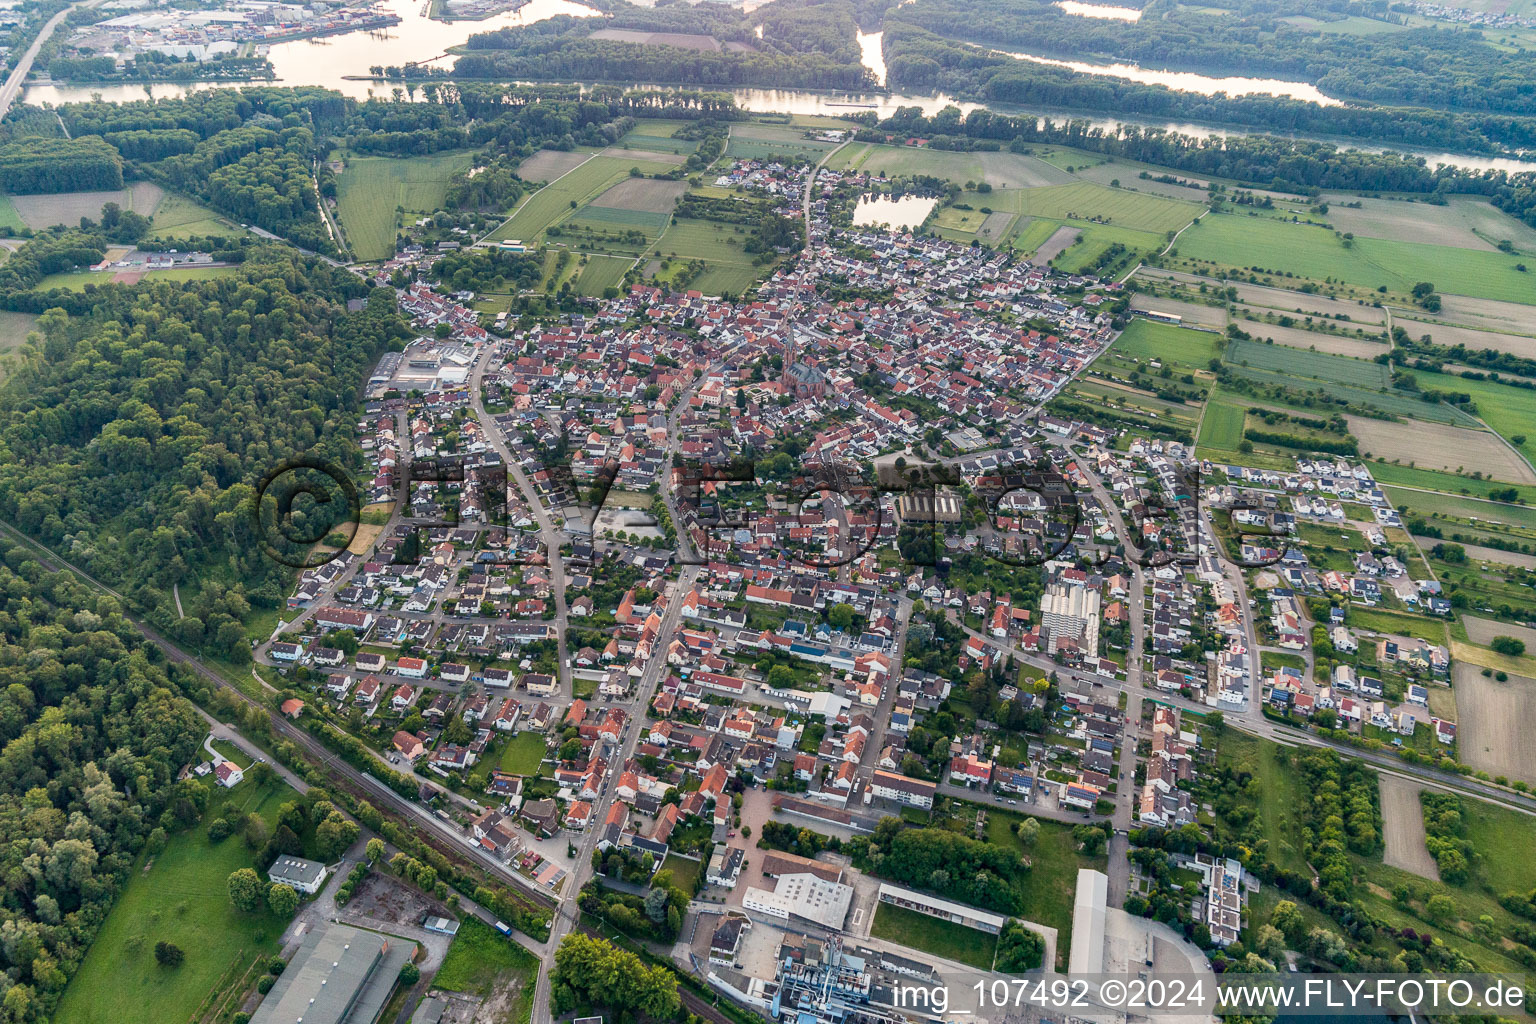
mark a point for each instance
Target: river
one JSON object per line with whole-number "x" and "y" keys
{"x": 331, "y": 60}
{"x": 1099, "y": 10}
{"x": 1188, "y": 81}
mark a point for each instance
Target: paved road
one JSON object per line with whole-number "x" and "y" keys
{"x": 550, "y": 535}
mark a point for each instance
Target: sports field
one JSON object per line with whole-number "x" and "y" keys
{"x": 1315, "y": 253}
{"x": 1145, "y": 339}
{"x": 371, "y": 190}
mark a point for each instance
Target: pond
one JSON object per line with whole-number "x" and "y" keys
{"x": 901, "y": 213}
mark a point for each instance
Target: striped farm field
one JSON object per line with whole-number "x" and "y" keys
{"x": 1304, "y": 363}
{"x": 1221, "y": 428}
{"x": 600, "y": 273}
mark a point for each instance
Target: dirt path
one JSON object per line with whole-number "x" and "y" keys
{"x": 1402, "y": 821}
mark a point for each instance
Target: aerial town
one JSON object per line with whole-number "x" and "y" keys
{"x": 541, "y": 512}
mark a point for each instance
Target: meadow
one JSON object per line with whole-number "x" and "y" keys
{"x": 180, "y": 895}
{"x": 1083, "y": 201}
{"x": 371, "y": 190}
{"x": 14, "y": 328}
{"x": 1433, "y": 480}
{"x": 180, "y": 217}
{"x": 1315, "y": 253}
{"x": 1458, "y": 507}
{"x": 601, "y": 273}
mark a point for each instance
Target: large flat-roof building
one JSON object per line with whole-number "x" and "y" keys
{"x": 1089, "y": 913}
{"x": 944, "y": 910}
{"x": 802, "y": 895}
{"x": 340, "y": 975}
{"x": 1071, "y": 613}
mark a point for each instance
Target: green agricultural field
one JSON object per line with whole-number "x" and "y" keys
{"x": 1083, "y": 201}
{"x": 180, "y": 217}
{"x": 1510, "y": 411}
{"x": 481, "y": 959}
{"x": 1435, "y": 480}
{"x": 1315, "y": 253}
{"x": 561, "y": 197}
{"x": 931, "y": 935}
{"x": 1221, "y": 428}
{"x": 179, "y": 896}
{"x": 601, "y": 273}
{"x": 1147, "y": 339}
{"x": 1398, "y": 403}
{"x": 1305, "y": 363}
{"x": 1000, "y": 170}
{"x": 708, "y": 240}
{"x": 656, "y": 136}
{"x": 370, "y": 189}
{"x": 1456, "y": 506}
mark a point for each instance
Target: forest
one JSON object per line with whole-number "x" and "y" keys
{"x": 59, "y": 165}
{"x": 918, "y": 60}
{"x": 92, "y": 736}
{"x": 1422, "y": 67}
{"x": 805, "y": 44}
{"x": 138, "y": 419}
